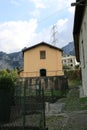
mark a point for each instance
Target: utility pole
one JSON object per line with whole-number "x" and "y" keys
{"x": 54, "y": 35}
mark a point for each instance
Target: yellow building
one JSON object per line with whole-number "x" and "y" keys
{"x": 42, "y": 59}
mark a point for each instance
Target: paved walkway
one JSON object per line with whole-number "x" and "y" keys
{"x": 76, "y": 120}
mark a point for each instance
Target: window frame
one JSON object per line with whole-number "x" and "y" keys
{"x": 42, "y": 54}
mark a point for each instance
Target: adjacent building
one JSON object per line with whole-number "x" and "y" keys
{"x": 69, "y": 61}
{"x": 80, "y": 39}
{"x": 42, "y": 59}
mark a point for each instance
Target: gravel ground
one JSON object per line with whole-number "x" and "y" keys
{"x": 68, "y": 121}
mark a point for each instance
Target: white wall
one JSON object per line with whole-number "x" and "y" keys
{"x": 83, "y": 52}
{"x": 70, "y": 60}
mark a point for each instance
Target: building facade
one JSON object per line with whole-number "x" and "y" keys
{"x": 80, "y": 40}
{"x": 42, "y": 59}
{"x": 69, "y": 61}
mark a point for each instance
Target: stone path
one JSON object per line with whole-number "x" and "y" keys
{"x": 54, "y": 108}
{"x": 76, "y": 120}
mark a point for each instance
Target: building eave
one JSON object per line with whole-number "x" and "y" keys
{"x": 79, "y": 13}
{"x": 40, "y": 44}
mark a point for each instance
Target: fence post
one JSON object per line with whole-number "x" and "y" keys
{"x": 43, "y": 107}
{"x": 52, "y": 94}
{"x": 24, "y": 99}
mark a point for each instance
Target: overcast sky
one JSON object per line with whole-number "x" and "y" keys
{"x": 24, "y": 23}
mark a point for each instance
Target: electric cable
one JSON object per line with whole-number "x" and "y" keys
{"x": 56, "y": 12}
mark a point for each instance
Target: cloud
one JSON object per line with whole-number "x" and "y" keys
{"x": 70, "y": 9}
{"x": 38, "y": 3}
{"x": 35, "y": 13}
{"x": 61, "y": 25}
{"x": 65, "y": 31}
{"x": 45, "y": 8}
{"x": 14, "y": 35}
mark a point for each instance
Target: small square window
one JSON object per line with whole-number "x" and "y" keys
{"x": 42, "y": 54}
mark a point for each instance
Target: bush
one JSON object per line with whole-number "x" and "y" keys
{"x": 73, "y": 74}
{"x": 74, "y": 77}
{"x": 6, "y": 83}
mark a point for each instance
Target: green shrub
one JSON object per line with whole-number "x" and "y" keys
{"x": 73, "y": 74}
{"x": 6, "y": 83}
{"x": 74, "y": 77}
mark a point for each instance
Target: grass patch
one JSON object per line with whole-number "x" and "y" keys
{"x": 74, "y": 83}
{"x": 55, "y": 122}
{"x": 58, "y": 93}
{"x": 74, "y": 102}
{"x": 83, "y": 100}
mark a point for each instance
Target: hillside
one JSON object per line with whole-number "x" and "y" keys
{"x": 15, "y": 60}
{"x": 69, "y": 49}
{"x": 11, "y": 61}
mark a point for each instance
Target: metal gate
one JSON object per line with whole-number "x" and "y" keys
{"x": 28, "y": 107}
{"x": 28, "y": 110}
{"x": 31, "y": 99}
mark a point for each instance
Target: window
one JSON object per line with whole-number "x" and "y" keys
{"x": 65, "y": 61}
{"x": 71, "y": 60}
{"x": 42, "y": 54}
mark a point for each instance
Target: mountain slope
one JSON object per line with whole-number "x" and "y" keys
{"x": 11, "y": 61}
{"x": 69, "y": 49}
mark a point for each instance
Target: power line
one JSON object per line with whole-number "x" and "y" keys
{"x": 56, "y": 12}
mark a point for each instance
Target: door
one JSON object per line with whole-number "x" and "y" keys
{"x": 42, "y": 72}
